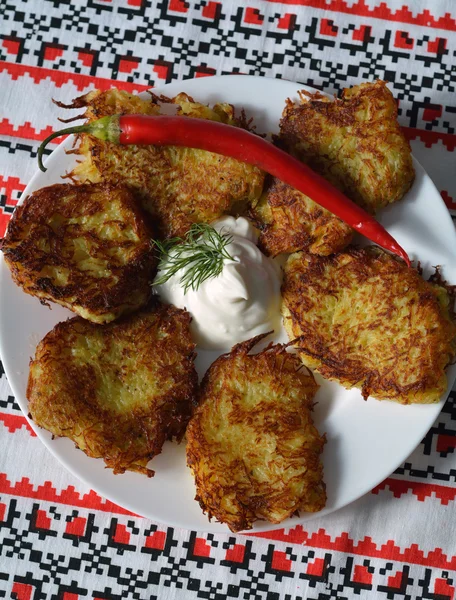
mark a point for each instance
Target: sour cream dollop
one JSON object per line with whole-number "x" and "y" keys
{"x": 243, "y": 301}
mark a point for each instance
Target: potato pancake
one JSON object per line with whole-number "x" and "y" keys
{"x": 86, "y": 247}
{"x": 251, "y": 445}
{"x": 290, "y": 221}
{"x": 356, "y": 143}
{"x": 118, "y": 390}
{"x": 366, "y": 320}
{"x": 177, "y": 186}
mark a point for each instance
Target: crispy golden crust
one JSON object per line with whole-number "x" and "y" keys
{"x": 252, "y": 446}
{"x": 366, "y": 320}
{"x": 356, "y": 143}
{"x": 290, "y": 221}
{"x": 118, "y": 390}
{"x": 178, "y": 186}
{"x": 86, "y": 247}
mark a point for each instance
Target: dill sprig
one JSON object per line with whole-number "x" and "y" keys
{"x": 200, "y": 254}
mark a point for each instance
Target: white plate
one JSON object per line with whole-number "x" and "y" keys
{"x": 366, "y": 440}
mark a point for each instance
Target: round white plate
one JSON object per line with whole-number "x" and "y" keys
{"x": 366, "y": 441}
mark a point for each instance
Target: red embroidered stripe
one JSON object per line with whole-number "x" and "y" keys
{"x": 68, "y": 496}
{"x": 15, "y": 422}
{"x": 429, "y": 138}
{"x": 420, "y": 489}
{"x": 361, "y": 9}
{"x": 366, "y": 547}
{"x": 60, "y": 78}
{"x": 26, "y": 131}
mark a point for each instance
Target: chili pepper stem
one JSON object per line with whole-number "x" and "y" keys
{"x": 106, "y": 129}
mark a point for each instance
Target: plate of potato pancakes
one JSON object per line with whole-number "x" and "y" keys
{"x": 277, "y": 424}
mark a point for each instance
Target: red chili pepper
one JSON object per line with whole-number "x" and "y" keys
{"x": 164, "y": 130}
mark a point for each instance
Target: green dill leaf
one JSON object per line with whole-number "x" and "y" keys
{"x": 200, "y": 255}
